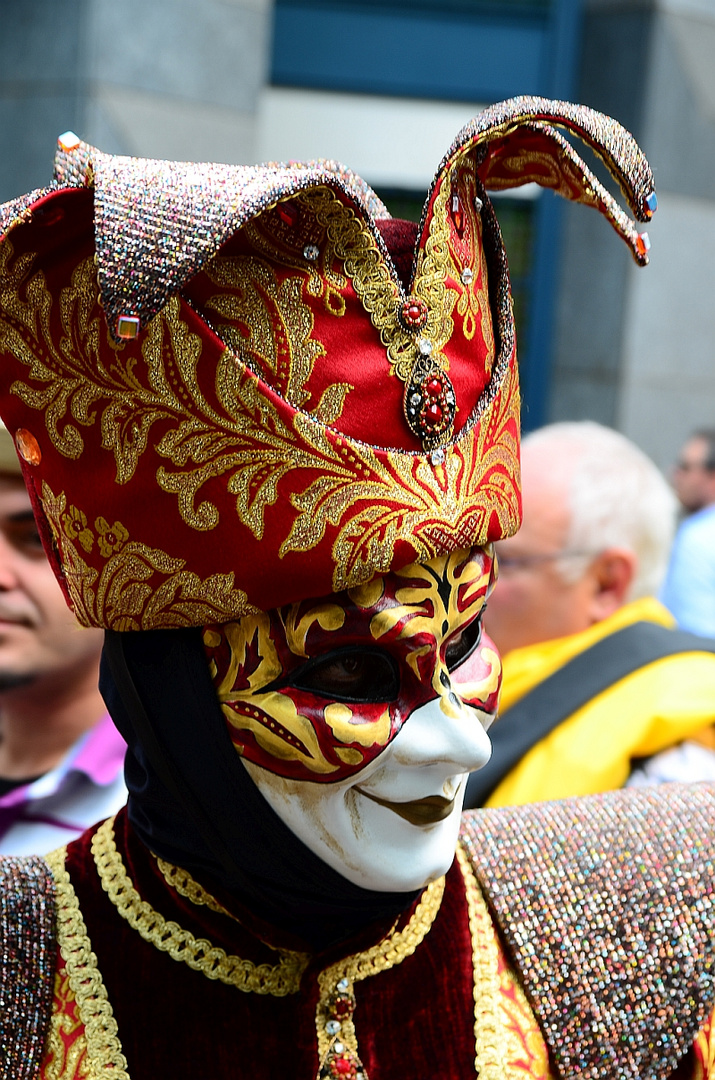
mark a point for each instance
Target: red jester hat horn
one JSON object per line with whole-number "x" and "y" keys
{"x": 226, "y": 397}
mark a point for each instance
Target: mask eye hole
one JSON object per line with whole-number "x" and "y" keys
{"x": 358, "y": 675}
{"x": 462, "y": 644}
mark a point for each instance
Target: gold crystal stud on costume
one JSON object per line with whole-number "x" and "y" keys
{"x": 68, "y": 141}
{"x": 128, "y": 326}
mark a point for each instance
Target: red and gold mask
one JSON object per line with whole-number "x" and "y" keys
{"x": 316, "y": 690}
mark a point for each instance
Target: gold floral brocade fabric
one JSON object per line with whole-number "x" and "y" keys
{"x": 250, "y": 446}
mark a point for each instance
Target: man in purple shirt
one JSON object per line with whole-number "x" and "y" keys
{"x": 61, "y": 758}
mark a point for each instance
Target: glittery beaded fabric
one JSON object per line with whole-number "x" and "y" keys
{"x": 606, "y": 904}
{"x": 158, "y": 222}
{"x": 12, "y": 213}
{"x": 27, "y": 943}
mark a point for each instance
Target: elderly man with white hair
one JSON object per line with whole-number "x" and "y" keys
{"x": 600, "y": 688}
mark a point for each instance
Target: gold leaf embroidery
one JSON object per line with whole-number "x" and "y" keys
{"x": 140, "y": 588}
{"x": 279, "y": 323}
{"x": 66, "y": 1048}
{"x": 438, "y": 508}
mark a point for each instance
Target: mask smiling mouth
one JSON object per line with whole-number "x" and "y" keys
{"x": 427, "y": 811}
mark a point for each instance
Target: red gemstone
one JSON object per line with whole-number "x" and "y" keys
{"x": 457, "y": 214}
{"x": 414, "y": 313}
{"x": 288, "y": 213}
{"x": 434, "y": 387}
{"x": 433, "y": 414}
{"x": 342, "y": 1066}
{"x": 343, "y": 1007}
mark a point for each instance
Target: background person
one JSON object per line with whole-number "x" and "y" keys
{"x": 689, "y": 587}
{"x": 595, "y": 676}
{"x": 61, "y": 757}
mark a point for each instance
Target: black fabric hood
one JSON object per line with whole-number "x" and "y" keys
{"x": 192, "y": 802}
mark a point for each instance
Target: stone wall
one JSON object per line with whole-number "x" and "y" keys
{"x": 636, "y": 348}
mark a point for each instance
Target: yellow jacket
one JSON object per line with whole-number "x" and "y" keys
{"x": 648, "y": 711}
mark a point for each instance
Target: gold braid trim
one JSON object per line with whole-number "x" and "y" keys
{"x": 491, "y": 1057}
{"x": 104, "y": 1050}
{"x": 169, "y": 937}
{"x": 392, "y": 950}
{"x": 185, "y": 885}
{"x": 379, "y": 294}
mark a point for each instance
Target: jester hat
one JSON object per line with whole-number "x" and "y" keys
{"x": 237, "y": 387}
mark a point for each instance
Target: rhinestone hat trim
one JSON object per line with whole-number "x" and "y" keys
{"x": 158, "y": 222}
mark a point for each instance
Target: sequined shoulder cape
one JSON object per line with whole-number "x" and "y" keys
{"x": 27, "y": 952}
{"x": 606, "y": 905}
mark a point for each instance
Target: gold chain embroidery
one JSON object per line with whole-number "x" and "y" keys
{"x": 490, "y": 1060}
{"x": 355, "y": 245}
{"x": 333, "y": 1016}
{"x": 198, "y": 953}
{"x": 104, "y": 1049}
{"x": 185, "y": 885}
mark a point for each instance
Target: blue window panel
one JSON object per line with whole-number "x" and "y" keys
{"x": 446, "y": 55}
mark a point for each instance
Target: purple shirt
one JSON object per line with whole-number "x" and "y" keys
{"x": 86, "y": 786}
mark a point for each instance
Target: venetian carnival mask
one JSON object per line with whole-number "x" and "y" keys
{"x": 360, "y": 715}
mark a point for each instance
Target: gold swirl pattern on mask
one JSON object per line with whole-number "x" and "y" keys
{"x": 447, "y": 592}
{"x": 347, "y": 728}
{"x": 138, "y": 588}
{"x": 297, "y": 626}
{"x": 271, "y": 717}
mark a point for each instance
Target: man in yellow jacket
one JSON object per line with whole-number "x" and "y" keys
{"x": 600, "y": 688}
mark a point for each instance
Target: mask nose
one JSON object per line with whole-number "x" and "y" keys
{"x": 444, "y": 732}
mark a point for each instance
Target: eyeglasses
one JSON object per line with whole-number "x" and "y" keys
{"x": 690, "y": 466}
{"x": 521, "y": 562}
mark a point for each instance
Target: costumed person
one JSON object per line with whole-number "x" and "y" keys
{"x": 271, "y": 435}
{"x": 61, "y": 757}
{"x": 600, "y": 688}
